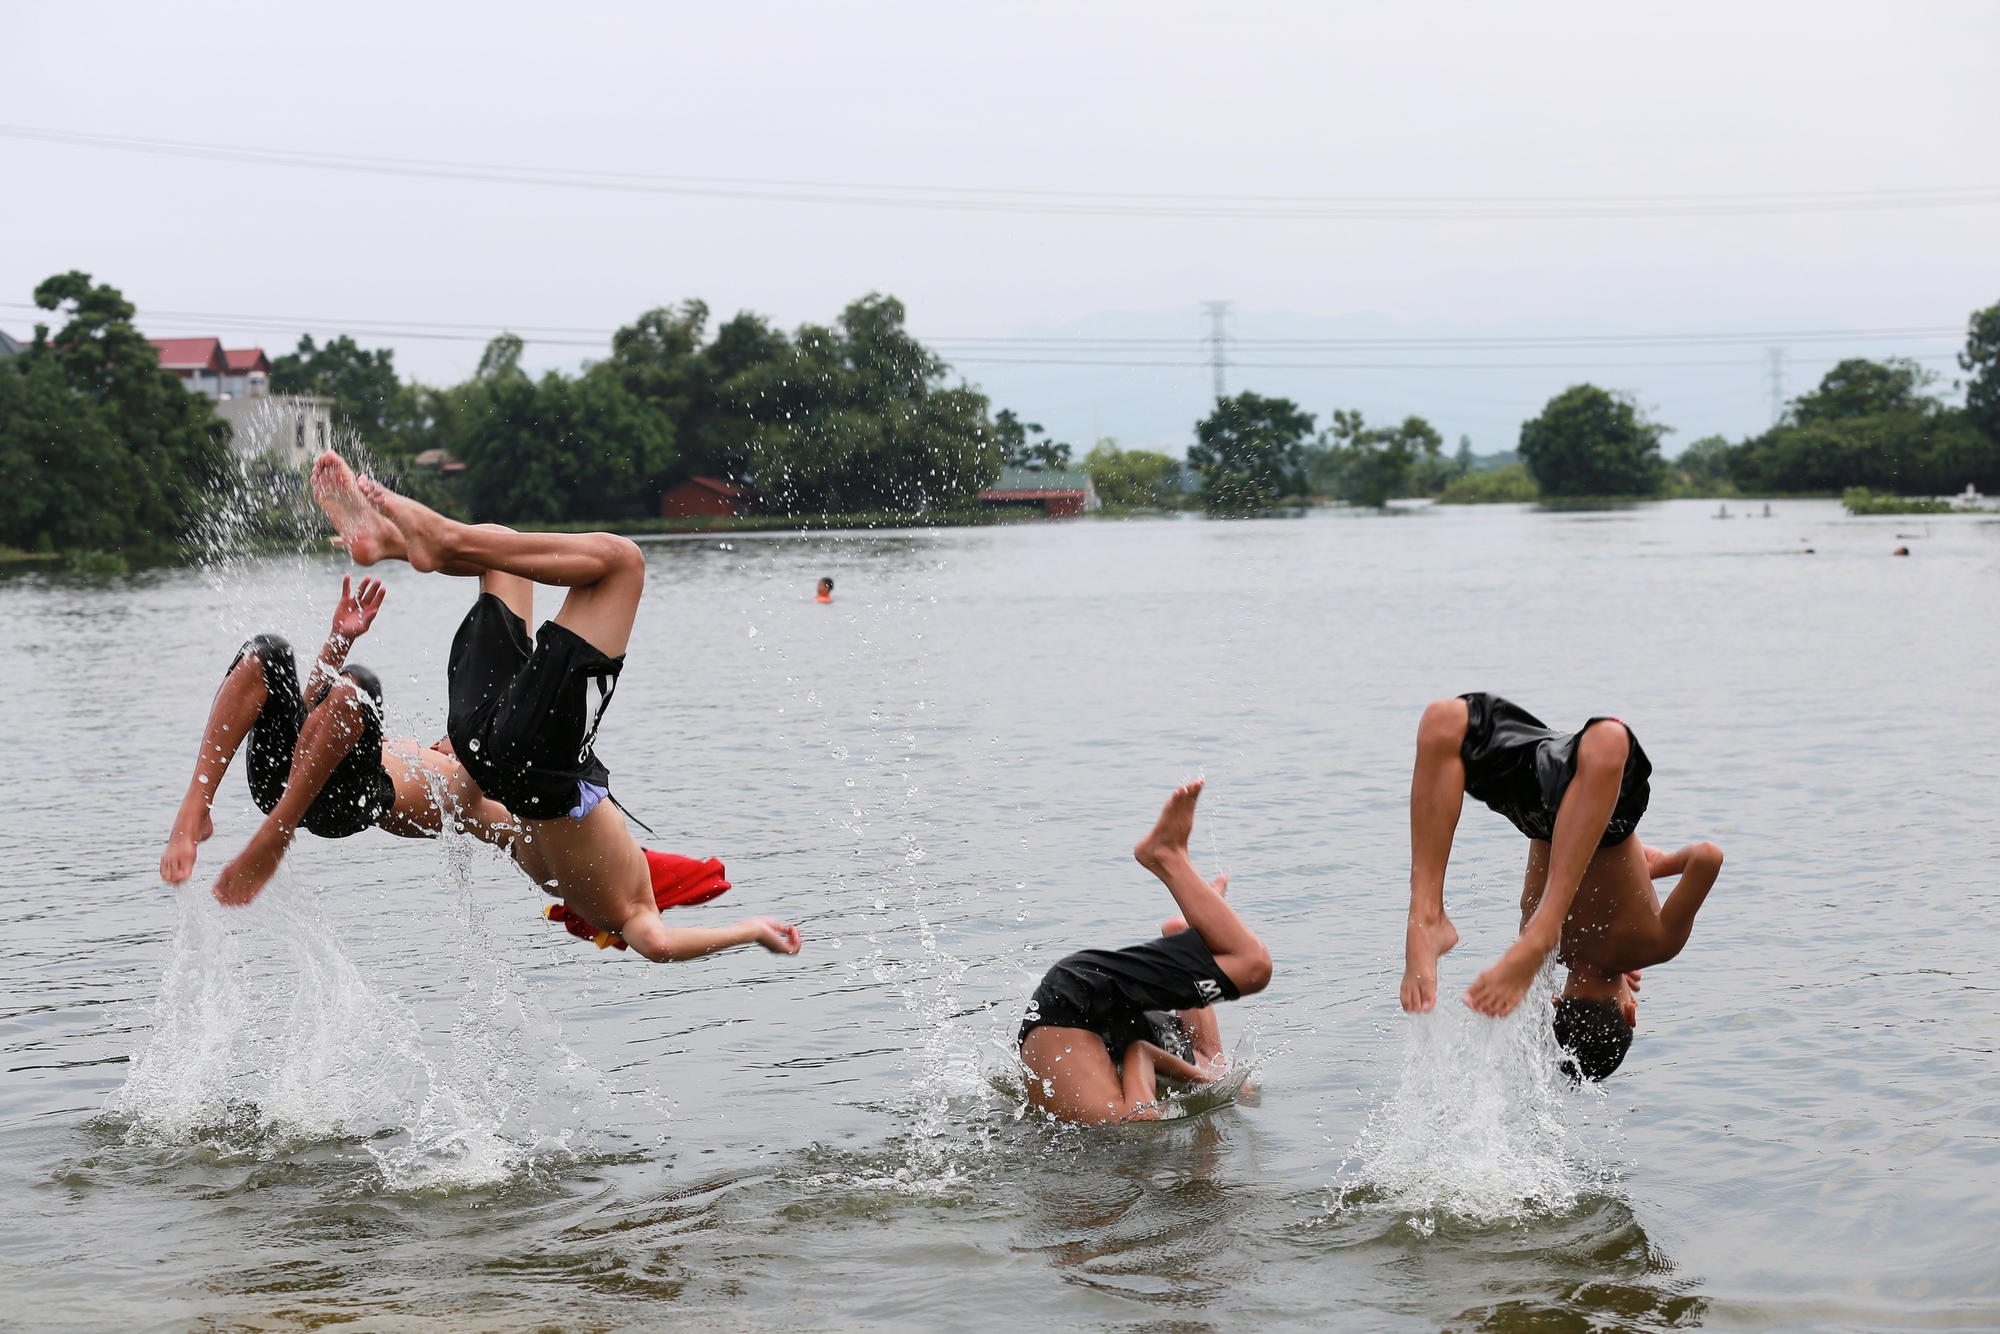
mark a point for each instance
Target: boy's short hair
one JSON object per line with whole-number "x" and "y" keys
{"x": 1593, "y": 1035}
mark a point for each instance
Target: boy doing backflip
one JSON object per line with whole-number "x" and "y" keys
{"x": 322, "y": 765}
{"x": 1094, "y": 1042}
{"x": 520, "y": 720}
{"x": 1588, "y": 894}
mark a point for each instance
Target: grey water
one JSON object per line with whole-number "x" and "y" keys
{"x": 389, "y": 1096}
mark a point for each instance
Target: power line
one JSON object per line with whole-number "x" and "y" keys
{"x": 1441, "y": 208}
{"x": 1219, "y": 335}
{"x": 970, "y": 347}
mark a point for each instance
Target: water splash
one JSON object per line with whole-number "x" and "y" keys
{"x": 1483, "y": 1125}
{"x": 249, "y": 1055}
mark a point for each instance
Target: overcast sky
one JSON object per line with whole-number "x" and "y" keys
{"x": 1476, "y": 102}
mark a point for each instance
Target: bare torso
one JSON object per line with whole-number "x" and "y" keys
{"x": 1613, "y": 927}
{"x": 594, "y": 863}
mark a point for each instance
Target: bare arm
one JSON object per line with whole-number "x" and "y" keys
{"x": 352, "y": 616}
{"x": 661, "y": 943}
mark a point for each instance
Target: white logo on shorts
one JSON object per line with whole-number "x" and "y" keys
{"x": 1208, "y": 989}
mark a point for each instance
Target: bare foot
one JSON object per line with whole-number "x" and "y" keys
{"x": 1499, "y": 989}
{"x": 424, "y": 530}
{"x": 177, "y": 862}
{"x": 1423, "y": 944}
{"x": 246, "y": 876}
{"x": 1170, "y": 835}
{"x": 367, "y": 536}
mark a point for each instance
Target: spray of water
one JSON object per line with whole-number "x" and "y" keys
{"x": 1482, "y": 1124}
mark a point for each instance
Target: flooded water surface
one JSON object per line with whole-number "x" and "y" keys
{"x": 390, "y": 1096}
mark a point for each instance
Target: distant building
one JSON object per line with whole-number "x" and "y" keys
{"x": 1058, "y": 494}
{"x": 246, "y": 373}
{"x": 702, "y": 497}
{"x": 200, "y": 362}
{"x": 9, "y": 347}
{"x": 292, "y": 429}
{"x": 441, "y": 459}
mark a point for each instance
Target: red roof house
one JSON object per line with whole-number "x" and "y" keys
{"x": 702, "y": 496}
{"x": 191, "y": 357}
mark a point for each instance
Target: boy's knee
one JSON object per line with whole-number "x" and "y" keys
{"x": 625, "y": 556}
{"x": 1251, "y": 972}
{"x": 1443, "y": 726}
{"x": 1604, "y": 745}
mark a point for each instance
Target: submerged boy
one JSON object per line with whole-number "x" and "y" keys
{"x": 1092, "y": 1041}
{"x": 520, "y": 720}
{"x": 321, "y": 765}
{"x": 1588, "y": 895}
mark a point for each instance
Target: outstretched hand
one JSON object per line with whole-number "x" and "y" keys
{"x": 774, "y": 935}
{"x": 355, "y": 612}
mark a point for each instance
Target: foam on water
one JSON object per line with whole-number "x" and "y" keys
{"x": 1482, "y": 1124}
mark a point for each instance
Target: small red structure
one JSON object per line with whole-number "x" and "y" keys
{"x": 702, "y": 497}
{"x": 1058, "y": 494}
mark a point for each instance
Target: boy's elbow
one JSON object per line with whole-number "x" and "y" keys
{"x": 1707, "y": 855}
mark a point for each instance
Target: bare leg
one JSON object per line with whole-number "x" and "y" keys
{"x": 1437, "y": 795}
{"x": 330, "y": 733}
{"x": 367, "y": 536}
{"x": 1164, "y": 852}
{"x": 1580, "y": 820}
{"x": 604, "y": 574}
{"x": 237, "y": 704}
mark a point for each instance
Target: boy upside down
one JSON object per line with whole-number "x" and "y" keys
{"x": 323, "y": 765}
{"x": 1092, "y": 1041}
{"x": 1588, "y": 894}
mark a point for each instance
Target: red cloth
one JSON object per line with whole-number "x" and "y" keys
{"x": 678, "y": 882}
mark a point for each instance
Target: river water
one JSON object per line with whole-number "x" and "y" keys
{"x": 389, "y": 1096}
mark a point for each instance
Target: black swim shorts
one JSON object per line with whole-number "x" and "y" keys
{"x": 360, "y": 791}
{"x": 1110, "y": 991}
{"x": 1521, "y": 769}
{"x": 519, "y": 718}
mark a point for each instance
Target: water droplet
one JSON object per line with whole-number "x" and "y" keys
{"x": 475, "y": 743}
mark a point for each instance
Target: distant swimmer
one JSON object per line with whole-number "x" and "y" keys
{"x": 519, "y": 717}
{"x": 825, "y": 591}
{"x": 1900, "y": 551}
{"x": 321, "y": 765}
{"x": 1104, "y": 1025}
{"x": 1588, "y": 894}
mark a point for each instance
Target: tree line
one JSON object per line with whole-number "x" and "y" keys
{"x": 1874, "y": 424}
{"x": 104, "y": 451}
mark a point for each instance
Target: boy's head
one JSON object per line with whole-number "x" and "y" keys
{"x": 1593, "y": 1035}
{"x": 825, "y": 587}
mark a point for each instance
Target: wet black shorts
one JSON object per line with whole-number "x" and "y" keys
{"x": 520, "y": 719}
{"x": 360, "y": 791}
{"x": 1110, "y": 992}
{"x": 1521, "y": 769}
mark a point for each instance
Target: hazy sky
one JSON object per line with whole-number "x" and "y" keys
{"x": 1343, "y": 102}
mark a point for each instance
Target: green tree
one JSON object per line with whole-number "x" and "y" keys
{"x": 362, "y": 384}
{"x": 1982, "y": 359}
{"x": 1703, "y": 469}
{"x": 71, "y": 483}
{"x": 855, "y": 417}
{"x": 1589, "y": 442}
{"x": 1859, "y": 388}
{"x": 135, "y": 461}
{"x": 1372, "y": 465}
{"x": 557, "y": 449}
{"x": 1250, "y": 453}
{"x": 1018, "y": 450}
{"x": 1869, "y": 424}
{"x": 1133, "y": 476}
